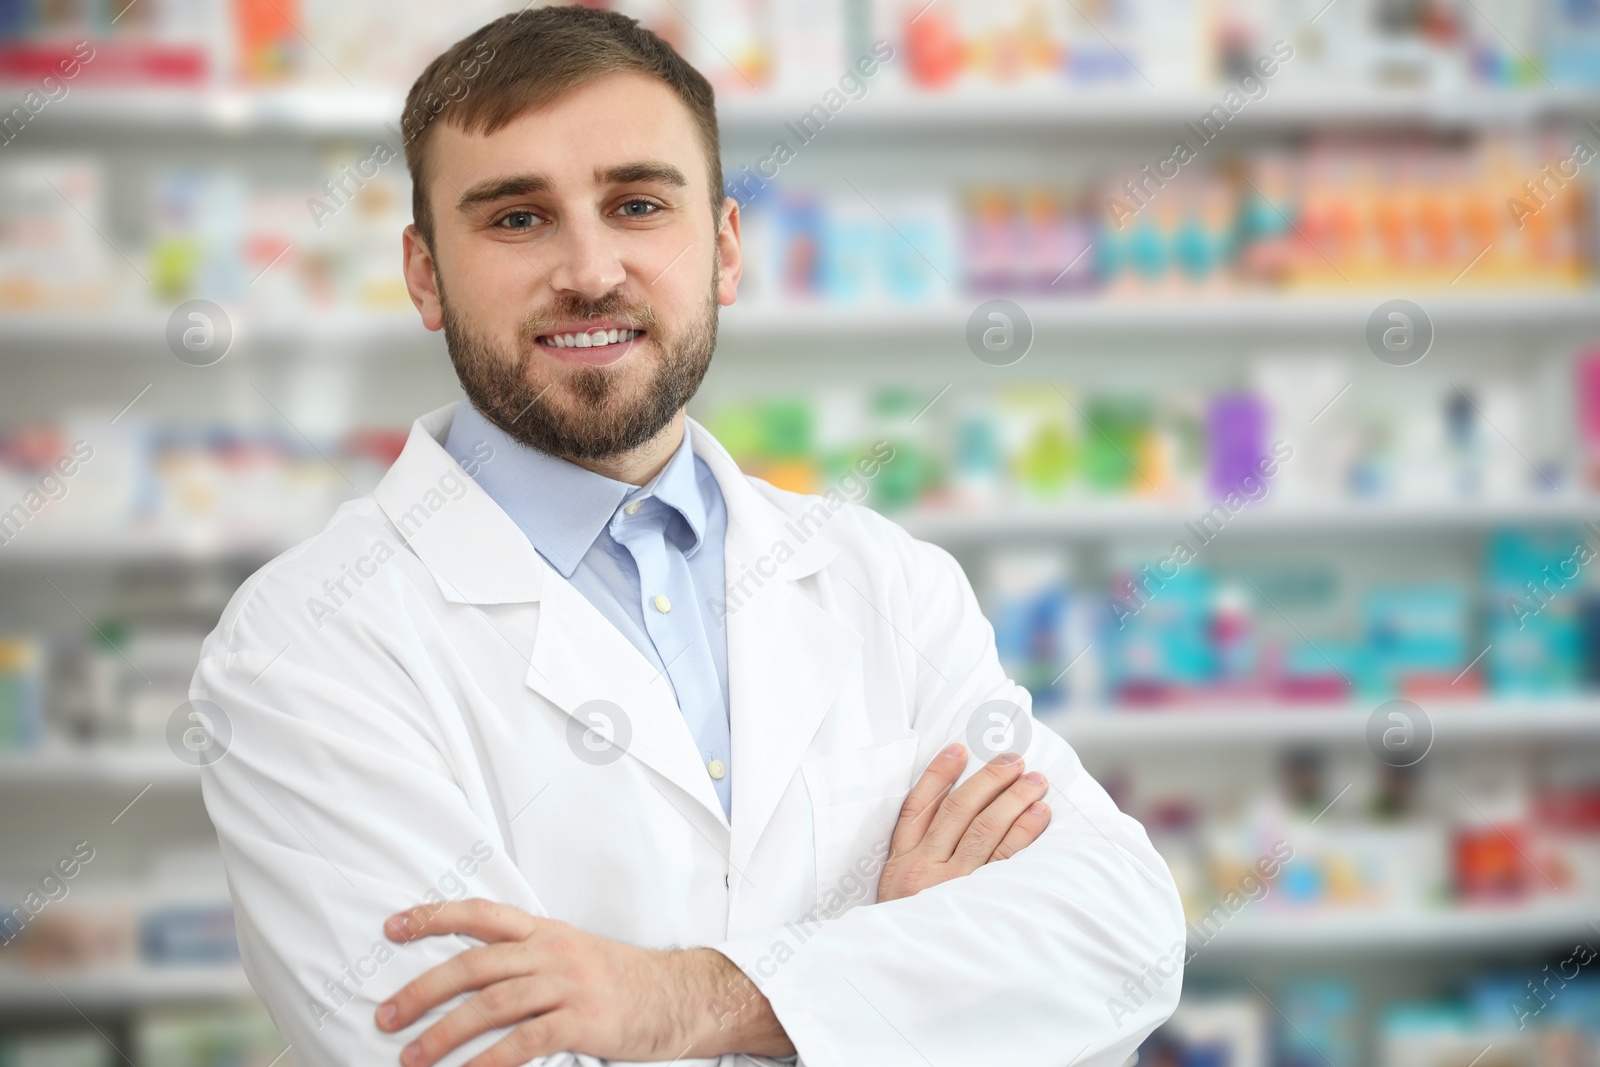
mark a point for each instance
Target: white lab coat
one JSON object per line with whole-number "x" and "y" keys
{"x": 402, "y": 719}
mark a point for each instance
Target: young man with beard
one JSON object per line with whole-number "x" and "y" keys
{"x": 610, "y": 812}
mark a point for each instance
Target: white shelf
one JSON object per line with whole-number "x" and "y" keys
{"x": 1526, "y": 927}
{"x": 1093, "y": 519}
{"x": 1180, "y": 315}
{"x": 339, "y": 111}
{"x": 95, "y": 766}
{"x": 354, "y": 331}
{"x": 1089, "y": 521}
{"x": 132, "y": 987}
{"x": 1500, "y": 721}
{"x": 134, "y": 331}
{"x": 76, "y": 549}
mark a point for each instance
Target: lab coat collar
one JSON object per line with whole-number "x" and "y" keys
{"x": 438, "y": 509}
{"x": 473, "y": 549}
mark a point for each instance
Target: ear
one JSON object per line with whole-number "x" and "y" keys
{"x": 729, "y": 253}
{"x": 422, "y": 279}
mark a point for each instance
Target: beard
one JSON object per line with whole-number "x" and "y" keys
{"x": 574, "y": 411}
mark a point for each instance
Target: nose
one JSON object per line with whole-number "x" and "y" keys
{"x": 586, "y": 263}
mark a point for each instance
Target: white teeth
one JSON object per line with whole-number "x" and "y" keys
{"x": 592, "y": 339}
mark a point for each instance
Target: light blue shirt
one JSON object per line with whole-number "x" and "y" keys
{"x": 652, "y": 572}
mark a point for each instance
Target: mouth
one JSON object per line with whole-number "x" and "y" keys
{"x": 596, "y": 345}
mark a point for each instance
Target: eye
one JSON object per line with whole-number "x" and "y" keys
{"x": 519, "y": 220}
{"x": 638, "y": 209}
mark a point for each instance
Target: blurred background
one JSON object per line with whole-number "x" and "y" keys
{"x": 1245, "y": 352}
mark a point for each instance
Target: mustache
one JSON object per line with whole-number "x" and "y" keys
{"x": 610, "y": 306}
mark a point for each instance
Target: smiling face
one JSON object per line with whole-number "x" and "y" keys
{"x": 576, "y": 267}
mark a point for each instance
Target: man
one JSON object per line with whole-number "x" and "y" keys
{"x": 621, "y": 743}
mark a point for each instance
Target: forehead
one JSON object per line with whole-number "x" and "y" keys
{"x": 613, "y": 119}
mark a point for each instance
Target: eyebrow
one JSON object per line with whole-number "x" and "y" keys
{"x": 492, "y": 189}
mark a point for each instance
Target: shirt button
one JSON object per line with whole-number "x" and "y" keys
{"x": 633, "y": 508}
{"x": 717, "y": 769}
{"x": 662, "y": 604}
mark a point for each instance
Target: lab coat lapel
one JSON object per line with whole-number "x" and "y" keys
{"x": 589, "y": 670}
{"x": 478, "y": 555}
{"x": 787, "y": 655}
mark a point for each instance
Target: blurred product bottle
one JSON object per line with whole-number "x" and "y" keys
{"x": 1489, "y": 840}
{"x": 21, "y": 692}
{"x": 1027, "y": 601}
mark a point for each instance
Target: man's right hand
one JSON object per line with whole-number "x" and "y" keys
{"x": 944, "y": 834}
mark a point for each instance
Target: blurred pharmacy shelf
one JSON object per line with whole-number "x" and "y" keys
{"x": 1095, "y": 519}
{"x": 100, "y": 766}
{"x": 335, "y": 112}
{"x": 1465, "y": 929}
{"x": 1252, "y": 722}
{"x": 1267, "y": 723}
{"x": 121, "y": 988}
{"x": 1244, "y": 312}
{"x": 1090, "y": 520}
{"x": 23, "y": 333}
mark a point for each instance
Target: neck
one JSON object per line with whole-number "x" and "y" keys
{"x": 637, "y": 466}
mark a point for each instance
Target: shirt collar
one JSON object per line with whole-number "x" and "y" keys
{"x": 560, "y": 506}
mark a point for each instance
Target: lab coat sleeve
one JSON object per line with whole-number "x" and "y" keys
{"x": 1070, "y": 951}
{"x": 335, "y": 808}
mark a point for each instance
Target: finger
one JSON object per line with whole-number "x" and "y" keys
{"x": 923, "y": 800}
{"x": 482, "y": 919}
{"x": 536, "y": 1037}
{"x": 498, "y": 1006}
{"x": 967, "y": 800}
{"x": 473, "y": 969}
{"x": 991, "y": 824}
{"x": 1024, "y": 832}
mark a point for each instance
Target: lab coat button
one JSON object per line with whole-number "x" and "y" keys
{"x": 717, "y": 769}
{"x": 662, "y": 604}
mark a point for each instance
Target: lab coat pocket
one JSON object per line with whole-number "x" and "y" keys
{"x": 855, "y": 800}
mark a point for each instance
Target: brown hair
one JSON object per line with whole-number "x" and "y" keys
{"x": 528, "y": 59}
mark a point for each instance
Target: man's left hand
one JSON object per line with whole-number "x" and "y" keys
{"x": 560, "y": 989}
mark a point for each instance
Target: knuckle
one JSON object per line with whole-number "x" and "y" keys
{"x": 495, "y": 1000}
{"x": 532, "y": 1035}
{"x": 987, "y": 824}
